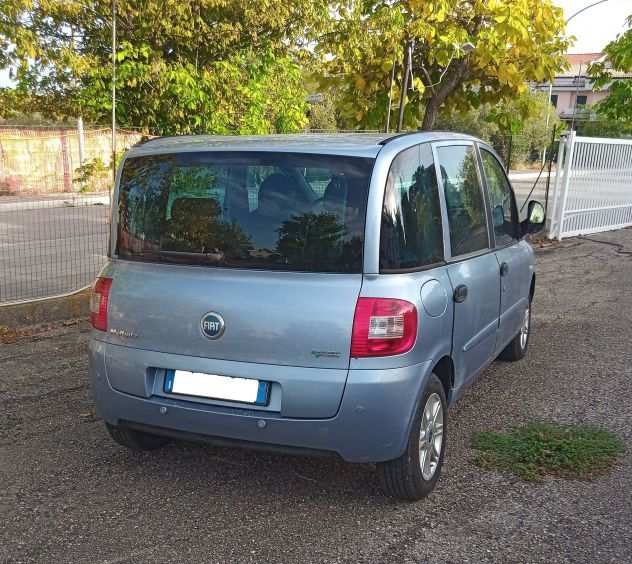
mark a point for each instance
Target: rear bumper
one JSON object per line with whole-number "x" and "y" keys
{"x": 371, "y": 424}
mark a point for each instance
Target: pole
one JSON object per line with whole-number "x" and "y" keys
{"x": 584, "y": 9}
{"x": 548, "y": 178}
{"x": 113, "y": 124}
{"x": 567, "y": 181}
{"x": 548, "y": 117}
{"x": 402, "y": 94}
{"x": 81, "y": 139}
{"x": 577, "y": 80}
{"x": 390, "y": 97}
{"x": 509, "y": 151}
{"x": 566, "y": 23}
{"x": 113, "y": 92}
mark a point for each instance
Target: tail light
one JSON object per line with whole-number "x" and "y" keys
{"x": 99, "y": 303}
{"x": 383, "y": 327}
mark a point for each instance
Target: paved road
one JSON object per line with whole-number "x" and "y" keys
{"x": 70, "y": 495}
{"x": 50, "y": 250}
{"x": 47, "y": 250}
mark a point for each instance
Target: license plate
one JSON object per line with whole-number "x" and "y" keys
{"x": 213, "y": 386}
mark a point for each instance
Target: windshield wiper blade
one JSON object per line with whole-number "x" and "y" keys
{"x": 185, "y": 256}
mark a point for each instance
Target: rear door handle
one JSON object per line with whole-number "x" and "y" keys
{"x": 460, "y": 293}
{"x": 504, "y": 268}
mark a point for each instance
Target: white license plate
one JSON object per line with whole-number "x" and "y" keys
{"x": 213, "y": 386}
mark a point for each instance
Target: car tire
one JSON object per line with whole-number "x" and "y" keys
{"x": 136, "y": 440}
{"x": 413, "y": 476}
{"x": 517, "y": 348}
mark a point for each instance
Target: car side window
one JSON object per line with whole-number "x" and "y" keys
{"x": 411, "y": 234}
{"x": 464, "y": 199}
{"x": 502, "y": 203}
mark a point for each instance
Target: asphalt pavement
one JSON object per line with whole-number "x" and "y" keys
{"x": 48, "y": 249}
{"x": 71, "y": 495}
{"x": 57, "y": 244}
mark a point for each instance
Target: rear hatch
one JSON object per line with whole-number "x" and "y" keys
{"x": 268, "y": 243}
{"x": 291, "y": 319}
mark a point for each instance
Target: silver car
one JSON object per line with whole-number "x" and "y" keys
{"x": 311, "y": 294}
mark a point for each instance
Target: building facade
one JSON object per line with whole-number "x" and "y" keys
{"x": 572, "y": 92}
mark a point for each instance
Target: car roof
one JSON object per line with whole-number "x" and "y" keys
{"x": 348, "y": 144}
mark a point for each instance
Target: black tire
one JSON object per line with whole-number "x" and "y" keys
{"x": 516, "y": 350}
{"x": 136, "y": 440}
{"x": 403, "y": 477}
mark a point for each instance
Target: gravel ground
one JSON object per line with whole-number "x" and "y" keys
{"x": 70, "y": 494}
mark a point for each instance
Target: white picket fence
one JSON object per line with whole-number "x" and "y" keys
{"x": 593, "y": 186}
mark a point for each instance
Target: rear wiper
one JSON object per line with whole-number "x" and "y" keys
{"x": 215, "y": 257}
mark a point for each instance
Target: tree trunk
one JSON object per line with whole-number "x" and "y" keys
{"x": 453, "y": 79}
{"x": 430, "y": 114}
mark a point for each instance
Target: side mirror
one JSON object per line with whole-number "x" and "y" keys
{"x": 535, "y": 217}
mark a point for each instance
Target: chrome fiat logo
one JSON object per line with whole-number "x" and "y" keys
{"x": 212, "y": 325}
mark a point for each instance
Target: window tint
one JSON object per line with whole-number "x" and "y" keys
{"x": 504, "y": 215}
{"x": 464, "y": 199}
{"x": 282, "y": 211}
{"x": 411, "y": 233}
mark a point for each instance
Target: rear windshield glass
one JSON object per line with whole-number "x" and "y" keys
{"x": 257, "y": 210}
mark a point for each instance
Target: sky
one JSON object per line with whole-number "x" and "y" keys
{"x": 597, "y": 26}
{"x": 593, "y": 29}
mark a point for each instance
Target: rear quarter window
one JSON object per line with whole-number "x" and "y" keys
{"x": 411, "y": 233}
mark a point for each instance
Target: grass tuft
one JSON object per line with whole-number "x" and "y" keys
{"x": 539, "y": 449}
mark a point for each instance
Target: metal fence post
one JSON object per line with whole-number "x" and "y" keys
{"x": 567, "y": 181}
{"x": 82, "y": 141}
{"x": 559, "y": 171}
{"x": 65, "y": 161}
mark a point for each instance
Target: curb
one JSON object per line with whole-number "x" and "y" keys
{"x": 72, "y": 306}
{"x": 55, "y": 203}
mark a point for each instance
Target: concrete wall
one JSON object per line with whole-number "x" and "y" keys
{"x": 44, "y": 160}
{"x": 74, "y": 306}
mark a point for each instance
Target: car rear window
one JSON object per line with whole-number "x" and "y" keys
{"x": 257, "y": 210}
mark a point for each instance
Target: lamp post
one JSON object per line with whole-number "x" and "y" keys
{"x": 548, "y": 108}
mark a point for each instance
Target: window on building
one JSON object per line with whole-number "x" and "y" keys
{"x": 581, "y": 101}
{"x": 554, "y": 100}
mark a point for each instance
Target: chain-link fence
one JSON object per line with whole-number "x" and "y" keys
{"x": 55, "y": 205}
{"x": 54, "y": 208}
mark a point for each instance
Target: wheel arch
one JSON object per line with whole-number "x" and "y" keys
{"x": 444, "y": 369}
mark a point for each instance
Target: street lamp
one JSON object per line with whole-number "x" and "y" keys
{"x": 548, "y": 108}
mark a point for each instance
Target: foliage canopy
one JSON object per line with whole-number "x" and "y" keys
{"x": 618, "y": 105}
{"x": 514, "y": 41}
{"x": 185, "y": 66}
{"x": 228, "y": 66}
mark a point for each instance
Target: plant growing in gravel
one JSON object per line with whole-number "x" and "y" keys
{"x": 539, "y": 449}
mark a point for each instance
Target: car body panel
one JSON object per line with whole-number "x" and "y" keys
{"x": 475, "y": 319}
{"x": 515, "y": 286}
{"x": 269, "y": 316}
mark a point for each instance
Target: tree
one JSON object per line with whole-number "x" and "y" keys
{"x": 522, "y": 118}
{"x": 515, "y": 41}
{"x": 618, "y": 105}
{"x": 184, "y": 67}
{"x": 324, "y": 114}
